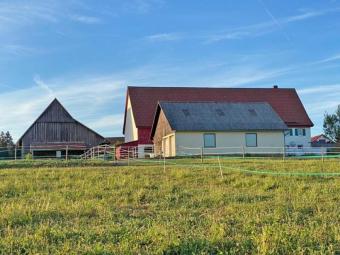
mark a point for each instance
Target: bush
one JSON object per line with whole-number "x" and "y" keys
{"x": 28, "y": 156}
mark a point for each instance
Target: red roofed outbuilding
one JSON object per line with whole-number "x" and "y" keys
{"x": 141, "y": 103}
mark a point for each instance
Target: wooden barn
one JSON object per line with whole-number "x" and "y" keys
{"x": 57, "y": 134}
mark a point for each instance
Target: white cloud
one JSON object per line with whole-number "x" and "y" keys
{"x": 163, "y": 37}
{"x": 18, "y": 50}
{"x": 328, "y": 59}
{"x": 333, "y": 88}
{"x": 142, "y": 6}
{"x": 43, "y": 85}
{"x": 86, "y": 99}
{"x": 86, "y": 19}
{"x": 108, "y": 122}
{"x": 264, "y": 27}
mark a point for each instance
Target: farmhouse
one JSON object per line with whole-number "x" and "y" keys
{"x": 141, "y": 103}
{"x": 185, "y": 128}
{"x": 56, "y": 133}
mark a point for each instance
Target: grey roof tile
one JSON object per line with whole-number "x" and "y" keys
{"x": 217, "y": 116}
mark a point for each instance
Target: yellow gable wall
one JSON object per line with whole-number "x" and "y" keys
{"x": 131, "y": 131}
{"x": 191, "y": 142}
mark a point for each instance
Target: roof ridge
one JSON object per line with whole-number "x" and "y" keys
{"x": 210, "y": 102}
{"x": 206, "y": 87}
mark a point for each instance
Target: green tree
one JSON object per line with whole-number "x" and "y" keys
{"x": 331, "y": 125}
{"x": 6, "y": 139}
{"x": 6, "y": 145}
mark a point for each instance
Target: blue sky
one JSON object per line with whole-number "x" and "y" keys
{"x": 86, "y": 52}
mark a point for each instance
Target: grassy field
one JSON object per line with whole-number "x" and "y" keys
{"x": 90, "y": 208}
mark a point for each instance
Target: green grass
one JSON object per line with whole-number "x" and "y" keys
{"x": 188, "y": 209}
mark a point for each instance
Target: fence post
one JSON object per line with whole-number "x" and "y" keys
{"x": 243, "y": 152}
{"x": 219, "y": 162}
{"x": 66, "y": 152}
{"x": 284, "y": 153}
{"x": 202, "y": 154}
{"x": 164, "y": 163}
{"x": 128, "y": 154}
{"x": 114, "y": 154}
{"x": 15, "y": 153}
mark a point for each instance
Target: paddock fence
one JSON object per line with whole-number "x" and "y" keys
{"x": 147, "y": 153}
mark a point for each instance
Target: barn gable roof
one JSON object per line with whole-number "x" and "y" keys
{"x": 56, "y": 113}
{"x": 284, "y": 101}
{"x": 217, "y": 116}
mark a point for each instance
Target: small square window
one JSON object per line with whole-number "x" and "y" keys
{"x": 251, "y": 140}
{"x": 209, "y": 140}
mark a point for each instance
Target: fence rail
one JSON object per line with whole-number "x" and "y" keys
{"x": 126, "y": 154}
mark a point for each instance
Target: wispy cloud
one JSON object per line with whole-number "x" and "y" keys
{"x": 18, "y": 50}
{"x": 335, "y": 57}
{"x": 265, "y": 27}
{"x": 142, "y": 6}
{"x": 114, "y": 121}
{"x": 274, "y": 19}
{"x": 41, "y": 84}
{"x": 334, "y": 88}
{"x": 18, "y": 14}
{"x": 163, "y": 37}
{"x": 21, "y": 14}
{"x": 86, "y": 19}
{"x": 88, "y": 100}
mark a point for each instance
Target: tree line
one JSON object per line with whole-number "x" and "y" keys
{"x": 6, "y": 140}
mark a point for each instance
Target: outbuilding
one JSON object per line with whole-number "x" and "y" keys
{"x": 187, "y": 128}
{"x": 56, "y": 133}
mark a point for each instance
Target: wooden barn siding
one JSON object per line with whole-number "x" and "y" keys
{"x": 55, "y": 113}
{"x": 50, "y": 132}
{"x": 163, "y": 128}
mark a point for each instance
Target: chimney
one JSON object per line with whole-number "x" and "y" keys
{"x": 275, "y": 86}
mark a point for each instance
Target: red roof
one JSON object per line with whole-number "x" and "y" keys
{"x": 316, "y": 138}
{"x": 285, "y": 102}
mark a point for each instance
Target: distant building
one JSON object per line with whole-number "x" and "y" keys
{"x": 56, "y": 133}
{"x": 114, "y": 140}
{"x": 141, "y": 103}
{"x": 322, "y": 141}
{"x": 186, "y": 128}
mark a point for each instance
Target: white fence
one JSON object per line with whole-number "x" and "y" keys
{"x": 108, "y": 152}
{"x": 258, "y": 151}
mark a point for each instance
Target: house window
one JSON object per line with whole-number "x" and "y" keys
{"x": 300, "y": 132}
{"x": 291, "y": 132}
{"x": 209, "y": 140}
{"x": 251, "y": 140}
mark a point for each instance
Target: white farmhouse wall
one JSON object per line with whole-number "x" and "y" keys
{"x": 190, "y": 143}
{"x": 295, "y": 141}
{"x": 131, "y": 131}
